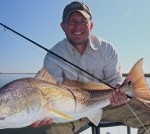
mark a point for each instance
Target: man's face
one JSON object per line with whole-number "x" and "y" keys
{"x": 77, "y": 28}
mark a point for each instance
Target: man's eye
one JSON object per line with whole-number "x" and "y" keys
{"x": 80, "y": 22}
{"x": 83, "y": 22}
{"x": 71, "y": 22}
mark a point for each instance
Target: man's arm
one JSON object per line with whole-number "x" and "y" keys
{"x": 113, "y": 76}
{"x": 53, "y": 66}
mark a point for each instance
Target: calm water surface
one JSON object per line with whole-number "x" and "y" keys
{"x": 5, "y": 78}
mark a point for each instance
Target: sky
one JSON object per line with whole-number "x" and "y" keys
{"x": 123, "y": 23}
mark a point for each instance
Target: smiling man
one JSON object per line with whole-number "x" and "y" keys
{"x": 94, "y": 55}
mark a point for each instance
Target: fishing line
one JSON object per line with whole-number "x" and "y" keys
{"x": 146, "y": 104}
{"x": 52, "y": 59}
{"x": 125, "y": 101}
{"x": 22, "y": 41}
{"x": 137, "y": 117}
{"x": 69, "y": 70}
{"x": 54, "y": 54}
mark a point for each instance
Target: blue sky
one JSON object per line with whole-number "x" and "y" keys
{"x": 123, "y": 23}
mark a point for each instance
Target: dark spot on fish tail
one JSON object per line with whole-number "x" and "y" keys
{"x": 129, "y": 82}
{"x": 2, "y": 118}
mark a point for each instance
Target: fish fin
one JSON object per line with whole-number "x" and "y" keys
{"x": 139, "y": 83}
{"x": 43, "y": 74}
{"x": 60, "y": 114}
{"x": 85, "y": 85}
{"x": 95, "y": 119}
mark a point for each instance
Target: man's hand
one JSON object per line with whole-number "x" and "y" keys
{"x": 41, "y": 123}
{"x": 118, "y": 97}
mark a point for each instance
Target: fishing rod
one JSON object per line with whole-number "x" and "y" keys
{"x": 65, "y": 60}
{"x": 56, "y": 55}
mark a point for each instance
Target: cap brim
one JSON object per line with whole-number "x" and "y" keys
{"x": 86, "y": 15}
{"x": 83, "y": 13}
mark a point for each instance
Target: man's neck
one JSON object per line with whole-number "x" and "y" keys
{"x": 80, "y": 48}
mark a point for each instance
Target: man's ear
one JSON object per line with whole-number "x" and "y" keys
{"x": 91, "y": 25}
{"x": 62, "y": 24}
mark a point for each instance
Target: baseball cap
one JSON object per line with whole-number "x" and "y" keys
{"x": 76, "y": 7}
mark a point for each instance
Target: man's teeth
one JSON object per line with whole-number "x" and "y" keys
{"x": 78, "y": 33}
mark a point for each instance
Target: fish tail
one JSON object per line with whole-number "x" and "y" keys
{"x": 139, "y": 83}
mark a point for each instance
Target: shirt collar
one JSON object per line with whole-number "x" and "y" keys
{"x": 90, "y": 44}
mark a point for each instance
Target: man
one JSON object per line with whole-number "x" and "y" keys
{"x": 94, "y": 55}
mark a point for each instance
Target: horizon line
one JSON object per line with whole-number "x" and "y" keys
{"x": 124, "y": 74}
{"x": 15, "y": 73}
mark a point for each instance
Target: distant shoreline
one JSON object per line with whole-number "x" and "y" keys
{"x": 124, "y": 74}
{"x": 17, "y": 73}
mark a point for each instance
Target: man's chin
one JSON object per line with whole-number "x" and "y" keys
{"x": 78, "y": 42}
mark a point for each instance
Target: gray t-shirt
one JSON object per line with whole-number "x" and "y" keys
{"x": 99, "y": 59}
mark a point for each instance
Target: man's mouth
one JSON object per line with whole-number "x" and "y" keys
{"x": 78, "y": 33}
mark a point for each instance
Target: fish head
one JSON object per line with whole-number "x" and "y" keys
{"x": 19, "y": 97}
{"x": 4, "y": 112}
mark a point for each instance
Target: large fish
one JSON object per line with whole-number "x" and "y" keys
{"x": 24, "y": 101}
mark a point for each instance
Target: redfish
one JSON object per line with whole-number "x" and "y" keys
{"x": 25, "y": 101}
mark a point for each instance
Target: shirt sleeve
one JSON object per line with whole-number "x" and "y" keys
{"x": 51, "y": 63}
{"x": 112, "y": 68}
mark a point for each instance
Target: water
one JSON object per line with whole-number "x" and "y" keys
{"x": 5, "y": 78}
